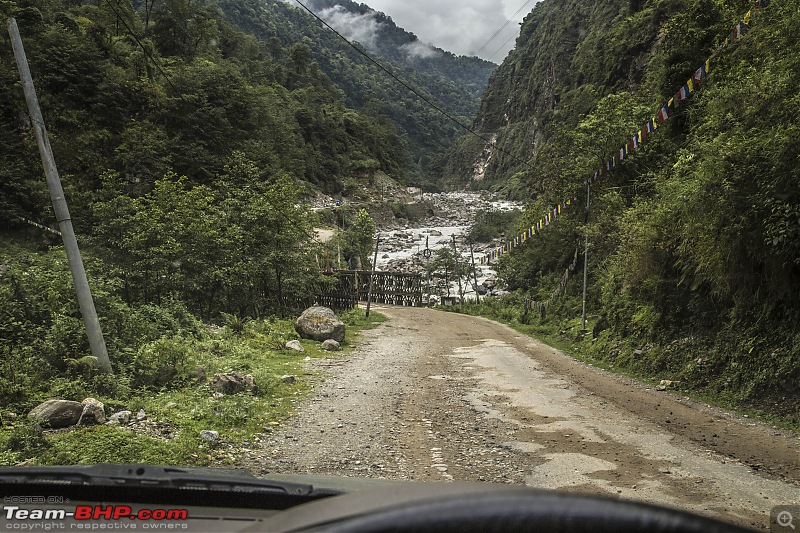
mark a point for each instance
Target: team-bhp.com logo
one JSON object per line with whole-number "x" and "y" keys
{"x": 94, "y": 512}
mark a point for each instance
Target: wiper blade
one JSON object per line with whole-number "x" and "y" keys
{"x": 150, "y": 476}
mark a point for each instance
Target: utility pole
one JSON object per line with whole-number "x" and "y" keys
{"x": 458, "y": 270}
{"x": 474, "y": 274}
{"x": 372, "y": 275}
{"x": 427, "y": 255}
{"x": 585, "y": 257}
{"x": 85, "y": 302}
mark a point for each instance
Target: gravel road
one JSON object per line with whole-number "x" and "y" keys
{"x": 436, "y": 396}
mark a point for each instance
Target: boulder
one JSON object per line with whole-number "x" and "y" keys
{"x": 233, "y": 383}
{"x": 57, "y": 413}
{"x": 295, "y": 345}
{"x": 93, "y": 412}
{"x": 320, "y": 324}
{"x": 289, "y": 379}
{"x": 330, "y": 345}
{"x": 120, "y": 418}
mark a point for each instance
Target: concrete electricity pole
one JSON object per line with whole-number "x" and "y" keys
{"x": 95, "y": 334}
{"x": 585, "y": 258}
{"x": 372, "y": 275}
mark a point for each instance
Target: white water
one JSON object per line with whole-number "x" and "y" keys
{"x": 402, "y": 249}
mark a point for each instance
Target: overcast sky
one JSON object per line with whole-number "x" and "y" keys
{"x": 459, "y": 26}
{"x": 464, "y": 27}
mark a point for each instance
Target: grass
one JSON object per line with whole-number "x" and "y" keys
{"x": 181, "y": 409}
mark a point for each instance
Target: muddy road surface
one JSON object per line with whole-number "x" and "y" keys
{"x": 436, "y": 396}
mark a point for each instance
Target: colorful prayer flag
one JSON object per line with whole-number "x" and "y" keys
{"x": 663, "y": 114}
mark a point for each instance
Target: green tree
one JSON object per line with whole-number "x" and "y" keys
{"x": 358, "y": 241}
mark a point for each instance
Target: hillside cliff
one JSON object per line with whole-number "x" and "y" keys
{"x": 694, "y": 261}
{"x": 570, "y": 54}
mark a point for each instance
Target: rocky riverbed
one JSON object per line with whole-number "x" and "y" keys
{"x": 403, "y": 243}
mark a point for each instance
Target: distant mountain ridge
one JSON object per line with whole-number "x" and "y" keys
{"x": 455, "y": 83}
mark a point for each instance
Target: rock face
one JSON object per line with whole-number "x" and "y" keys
{"x": 233, "y": 383}
{"x": 93, "y": 412}
{"x": 57, "y": 413}
{"x": 320, "y": 324}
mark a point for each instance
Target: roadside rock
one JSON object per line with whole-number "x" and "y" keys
{"x": 57, "y": 413}
{"x": 93, "y": 412}
{"x": 295, "y": 345}
{"x": 320, "y": 324}
{"x": 666, "y": 384}
{"x": 331, "y": 345}
{"x": 289, "y": 379}
{"x": 233, "y": 383}
{"x": 210, "y": 436}
{"x": 120, "y": 418}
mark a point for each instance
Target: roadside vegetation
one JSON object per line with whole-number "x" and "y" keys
{"x": 163, "y": 359}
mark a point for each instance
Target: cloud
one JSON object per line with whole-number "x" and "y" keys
{"x": 418, "y": 49}
{"x": 356, "y": 27}
{"x": 459, "y": 26}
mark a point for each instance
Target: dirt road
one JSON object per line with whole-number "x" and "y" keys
{"x": 438, "y": 396}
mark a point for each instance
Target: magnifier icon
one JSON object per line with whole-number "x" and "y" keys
{"x": 784, "y": 519}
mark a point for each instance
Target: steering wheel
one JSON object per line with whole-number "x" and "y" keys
{"x": 466, "y": 507}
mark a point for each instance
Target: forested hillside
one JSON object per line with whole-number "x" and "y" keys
{"x": 694, "y": 261}
{"x": 190, "y": 136}
{"x": 453, "y": 83}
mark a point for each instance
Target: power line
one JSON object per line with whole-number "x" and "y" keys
{"x": 503, "y": 46}
{"x": 502, "y": 28}
{"x": 144, "y": 48}
{"x": 391, "y": 74}
{"x": 410, "y": 88}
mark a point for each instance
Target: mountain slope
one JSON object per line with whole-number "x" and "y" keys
{"x": 454, "y": 83}
{"x": 568, "y": 55}
{"x": 694, "y": 266}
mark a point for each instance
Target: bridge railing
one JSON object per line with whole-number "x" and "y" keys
{"x": 396, "y": 288}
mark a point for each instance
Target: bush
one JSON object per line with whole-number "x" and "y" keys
{"x": 160, "y": 363}
{"x": 27, "y": 439}
{"x": 490, "y": 225}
